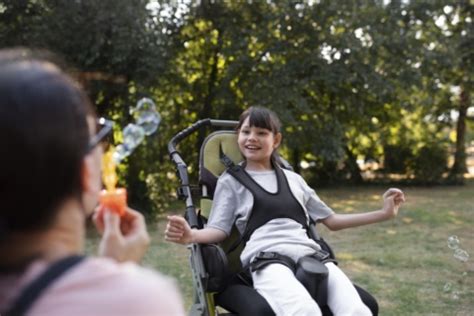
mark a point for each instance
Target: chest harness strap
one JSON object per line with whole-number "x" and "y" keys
{"x": 267, "y": 206}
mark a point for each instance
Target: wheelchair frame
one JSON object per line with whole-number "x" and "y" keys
{"x": 204, "y": 304}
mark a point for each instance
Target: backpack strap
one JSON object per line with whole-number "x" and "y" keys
{"x": 34, "y": 290}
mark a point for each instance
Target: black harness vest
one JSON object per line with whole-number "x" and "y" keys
{"x": 266, "y": 205}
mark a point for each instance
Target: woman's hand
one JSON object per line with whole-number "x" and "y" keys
{"x": 178, "y": 230}
{"x": 392, "y": 199}
{"x": 124, "y": 238}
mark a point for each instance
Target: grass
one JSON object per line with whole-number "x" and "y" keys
{"x": 405, "y": 263}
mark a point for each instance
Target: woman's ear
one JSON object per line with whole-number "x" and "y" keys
{"x": 277, "y": 140}
{"x": 90, "y": 174}
{"x": 86, "y": 173}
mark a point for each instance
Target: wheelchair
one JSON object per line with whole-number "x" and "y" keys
{"x": 220, "y": 287}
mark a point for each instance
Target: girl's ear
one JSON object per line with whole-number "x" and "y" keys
{"x": 277, "y": 140}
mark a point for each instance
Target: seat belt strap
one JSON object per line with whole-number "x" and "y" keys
{"x": 262, "y": 259}
{"x": 33, "y": 291}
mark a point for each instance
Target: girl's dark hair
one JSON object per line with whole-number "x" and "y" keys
{"x": 44, "y": 134}
{"x": 263, "y": 118}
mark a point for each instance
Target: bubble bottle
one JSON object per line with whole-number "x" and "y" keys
{"x": 112, "y": 198}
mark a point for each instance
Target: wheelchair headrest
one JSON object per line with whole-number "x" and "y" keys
{"x": 210, "y": 165}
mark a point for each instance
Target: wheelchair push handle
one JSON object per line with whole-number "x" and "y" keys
{"x": 181, "y": 167}
{"x": 196, "y": 126}
{"x": 185, "y": 133}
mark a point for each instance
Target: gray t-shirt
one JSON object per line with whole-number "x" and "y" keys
{"x": 233, "y": 202}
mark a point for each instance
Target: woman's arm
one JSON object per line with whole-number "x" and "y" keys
{"x": 393, "y": 198}
{"x": 179, "y": 231}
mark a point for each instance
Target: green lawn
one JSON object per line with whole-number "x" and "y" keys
{"x": 405, "y": 263}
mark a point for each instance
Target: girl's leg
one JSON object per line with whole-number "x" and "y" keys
{"x": 343, "y": 299}
{"x": 287, "y": 297}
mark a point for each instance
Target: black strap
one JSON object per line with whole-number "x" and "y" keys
{"x": 31, "y": 293}
{"x": 262, "y": 259}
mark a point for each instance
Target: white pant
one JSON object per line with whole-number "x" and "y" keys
{"x": 287, "y": 296}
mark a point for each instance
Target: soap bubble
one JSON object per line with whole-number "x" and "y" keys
{"x": 453, "y": 242}
{"x": 133, "y": 135}
{"x": 120, "y": 153}
{"x": 146, "y": 116}
{"x": 455, "y": 295}
{"x": 147, "y": 121}
{"x": 461, "y": 255}
{"x": 447, "y": 287}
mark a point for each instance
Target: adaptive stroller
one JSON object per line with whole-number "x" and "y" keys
{"x": 216, "y": 269}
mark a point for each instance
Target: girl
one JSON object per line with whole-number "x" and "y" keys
{"x": 258, "y": 139}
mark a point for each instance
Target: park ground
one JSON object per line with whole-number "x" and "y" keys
{"x": 405, "y": 262}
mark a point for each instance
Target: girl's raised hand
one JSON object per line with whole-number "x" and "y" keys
{"x": 392, "y": 199}
{"x": 178, "y": 230}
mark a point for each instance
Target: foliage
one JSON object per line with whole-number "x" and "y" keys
{"x": 348, "y": 79}
{"x": 430, "y": 163}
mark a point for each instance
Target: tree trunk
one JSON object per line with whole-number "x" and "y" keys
{"x": 353, "y": 167}
{"x": 459, "y": 167}
{"x": 295, "y": 160}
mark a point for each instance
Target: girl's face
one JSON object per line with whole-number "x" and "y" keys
{"x": 257, "y": 145}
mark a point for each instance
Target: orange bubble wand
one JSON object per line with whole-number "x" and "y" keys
{"x": 112, "y": 198}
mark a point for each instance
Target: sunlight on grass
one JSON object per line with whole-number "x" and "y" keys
{"x": 405, "y": 262}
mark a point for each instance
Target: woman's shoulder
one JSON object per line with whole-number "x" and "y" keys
{"x": 101, "y": 267}
{"x": 105, "y": 280}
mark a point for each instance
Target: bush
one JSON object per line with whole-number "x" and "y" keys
{"x": 430, "y": 163}
{"x": 397, "y": 158}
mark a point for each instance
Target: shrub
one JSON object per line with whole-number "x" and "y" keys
{"x": 430, "y": 163}
{"x": 397, "y": 158}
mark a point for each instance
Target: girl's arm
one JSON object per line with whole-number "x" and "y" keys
{"x": 393, "y": 198}
{"x": 179, "y": 231}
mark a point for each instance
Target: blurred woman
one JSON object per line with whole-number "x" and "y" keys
{"x": 50, "y": 170}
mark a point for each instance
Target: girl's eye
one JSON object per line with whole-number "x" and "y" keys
{"x": 245, "y": 132}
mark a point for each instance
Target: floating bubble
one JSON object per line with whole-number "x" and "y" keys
{"x": 455, "y": 295}
{"x": 133, "y": 135}
{"x": 461, "y": 255}
{"x": 147, "y": 122}
{"x": 146, "y": 115}
{"x": 453, "y": 242}
{"x": 120, "y": 153}
{"x": 447, "y": 287}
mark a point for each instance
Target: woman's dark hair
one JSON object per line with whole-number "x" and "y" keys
{"x": 263, "y": 118}
{"x": 44, "y": 134}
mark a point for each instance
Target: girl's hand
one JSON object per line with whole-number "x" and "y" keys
{"x": 392, "y": 199}
{"x": 124, "y": 238}
{"x": 178, "y": 230}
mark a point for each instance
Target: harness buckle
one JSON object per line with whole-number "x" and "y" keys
{"x": 321, "y": 255}
{"x": 266, "y": 255}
